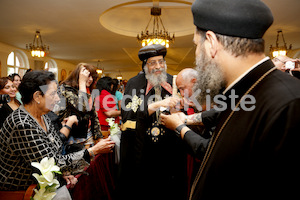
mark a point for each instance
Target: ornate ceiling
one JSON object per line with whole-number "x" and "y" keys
{"x": 106, "y": 30}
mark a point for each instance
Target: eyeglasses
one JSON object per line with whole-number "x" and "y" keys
{"x": 153, "y": 62}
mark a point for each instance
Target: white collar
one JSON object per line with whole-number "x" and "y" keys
{"x": 244, "y": 74}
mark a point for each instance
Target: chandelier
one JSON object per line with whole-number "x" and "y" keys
{"x": 279, "y": 50}
{"x": 159, "y": 35}
{"x": 37, "y": 48}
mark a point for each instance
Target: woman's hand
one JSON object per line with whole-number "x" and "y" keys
{"x": 67, "y": 124}
{"x": 71, "y": 180}
{"x": 103, "y": 146}
{"x": 112, "y": 113}
{"x": 69, "y": 121}
{"x": 83, "y": 77}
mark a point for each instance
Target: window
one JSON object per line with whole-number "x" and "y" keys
{"x": 17, "y": 62}
{"x": 51, "y": 66}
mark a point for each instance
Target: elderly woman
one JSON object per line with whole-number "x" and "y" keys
{"x": 7, "y": 87}
{"x": 28, "y": 135}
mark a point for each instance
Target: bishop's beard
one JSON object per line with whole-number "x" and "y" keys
{"x": 156, "y": 79}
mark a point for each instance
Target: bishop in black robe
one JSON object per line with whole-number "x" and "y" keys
{"x": 151, "y": 167}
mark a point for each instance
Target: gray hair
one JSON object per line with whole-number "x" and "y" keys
{"x": 189, "y": 73}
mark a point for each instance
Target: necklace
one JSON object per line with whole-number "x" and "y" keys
{"x": 38, "y": 118}
{"x": 214, "y": 139}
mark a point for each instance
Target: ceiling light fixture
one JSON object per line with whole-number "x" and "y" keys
{"x": 279, "y": 50}
{"x": 159, "y": 35}
{"x": 37, "y": 48}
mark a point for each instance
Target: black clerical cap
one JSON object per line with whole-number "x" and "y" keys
{"x": 238, "y": 18}
{"x": 151, "y": 51}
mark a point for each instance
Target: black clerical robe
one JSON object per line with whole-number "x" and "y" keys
{"x": 150, "y": 167}
{"x": 256, "y": 154}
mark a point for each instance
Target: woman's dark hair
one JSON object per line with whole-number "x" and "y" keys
{"x": 115, "y": 83}
{"x": 29, "y": 70}
{"x": 73, "y": 79}
{"x": 32, "y": 82}
{"x": 12, "y": 76}
{"x": 3, "y": 82}
{"x": 104, "y": 83}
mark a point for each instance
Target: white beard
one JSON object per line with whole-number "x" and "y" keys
{"x": 156, "y": 79}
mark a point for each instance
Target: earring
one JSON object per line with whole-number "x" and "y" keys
{"x": 38, "y": 102}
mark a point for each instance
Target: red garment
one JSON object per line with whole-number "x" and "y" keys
{"x": 99, "y": 184}
{"x": 165, "y": 85}
{"x": 103, "y": 103}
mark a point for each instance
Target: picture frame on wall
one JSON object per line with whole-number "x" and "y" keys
{"x": 63, "y": 75}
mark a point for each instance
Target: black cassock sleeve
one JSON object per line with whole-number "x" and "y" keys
{"x": 209, "y": 118}
{"x": 197, "y": 143}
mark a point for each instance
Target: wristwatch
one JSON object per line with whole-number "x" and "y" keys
{"x": 179, "y": 128}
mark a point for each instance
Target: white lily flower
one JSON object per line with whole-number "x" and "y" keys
{"x": 55, "y": 184}
{"x": 114, "y": 127}
{"x": 47, "y": 183}
{"x": 46, "y": 167}
{"x": 44, "y": 183}
{"x": 110, "y": 121}
{"x": 41, "y": 180}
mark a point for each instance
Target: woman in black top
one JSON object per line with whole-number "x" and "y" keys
{"x": 28, "y": 135}
{"x": 7, "y": 87}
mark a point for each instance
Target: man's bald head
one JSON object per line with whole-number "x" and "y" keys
{"x": 185, "y": 81}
